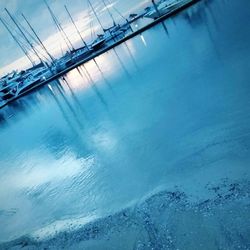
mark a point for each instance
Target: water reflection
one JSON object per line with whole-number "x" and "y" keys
{"x": 93, "y": 85}
{"x": 165, "y": 28}
{"x": 74, "y": 97}
{"x": 121, "y": 63}
{"x": 57, "y": 90}
{"x": 58, "y": 86}
{"x": 23, "y": 107}
{"x": 132, "y": 56}
{"x": 103, "y": 76}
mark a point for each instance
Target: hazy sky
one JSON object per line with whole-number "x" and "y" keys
{"x": 12, "y": 57}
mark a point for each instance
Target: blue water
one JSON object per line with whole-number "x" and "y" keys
{"x": 166, "y": 110}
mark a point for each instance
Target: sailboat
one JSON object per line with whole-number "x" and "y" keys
{"x": 116, "y": 31}
{"x": 8, "y": 84}
{"x": 33, "y": 79}
{"x": 6, "y": 92}
{"x": 164, "y": 7}
{"x": 79, "y": 53}
{"x": 22, "y": 83}
{"x": 99, "y": 42}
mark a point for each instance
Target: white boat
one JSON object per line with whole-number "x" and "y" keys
{"x": 108, "y": 34}
{"x": 81, "y": 53}
{"x": 116, "y": 31}
{"x": 99, "y": 42}
{"x": 6, "y": 92}
{"x": 8, "y": 83}
{"x": 29, "y": 80}
{"x": 163, "y": 8}
{"x": 112, "y": 33}
{"x": 33, "y": 79}
{"x": 63, "y": 63}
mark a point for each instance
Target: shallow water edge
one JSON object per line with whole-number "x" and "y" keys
{"x": 169, "y": 219}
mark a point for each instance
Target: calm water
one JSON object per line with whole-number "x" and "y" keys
{"x": 169, "y": 108}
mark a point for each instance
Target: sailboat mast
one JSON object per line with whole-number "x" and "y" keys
{"x": 25, "y": 37}
{"x": 110, "y": 14}
{"x": 98, "y": 20}
{"x": 156, "y": 8}
{"x": 78, "y": 32}
{"x": 59, "y": 27}
{"x": 38, "y": 38}
{"x": 16, "y": 40}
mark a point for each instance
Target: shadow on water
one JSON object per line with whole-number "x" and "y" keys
{"x": 84, "y": 73}
{"x": 22, "y": 107}
{"x": 210, "y": 35}
{"x": 195, "y": 15}
{"x": 165, "y": 28}
{"x": 199, "y": 15}
{"x": 132, "y": 57}
{"x": 79, "y": 147}
{"x": 62, "y": 94}
{"x": 63, "y": 111}
{"x": 103, "y": 76}
{"x": 3, "y": 119}
{"x": 74, "y": 97}
{"x": 121, "y": 63}
{"x": 207, "y": 7}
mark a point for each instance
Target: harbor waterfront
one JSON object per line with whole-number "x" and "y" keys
{"x": 13, "y": 87}
{"x": 145, "y": 147}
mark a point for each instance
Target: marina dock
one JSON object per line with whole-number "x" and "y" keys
{"x": 182, "y": 6}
